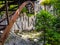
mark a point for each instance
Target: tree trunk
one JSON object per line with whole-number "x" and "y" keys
{"x": 45, "y": 7}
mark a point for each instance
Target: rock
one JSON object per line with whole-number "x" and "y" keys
{"x": 35, "y": 40}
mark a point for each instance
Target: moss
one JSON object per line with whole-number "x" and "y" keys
{"x": 24, "y": 9}
{"x": 29, "y": 15}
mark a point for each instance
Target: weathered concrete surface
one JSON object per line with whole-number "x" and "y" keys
{"x": 24, "y": 22}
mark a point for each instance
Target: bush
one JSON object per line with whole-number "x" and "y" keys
{"x": 47, "y": 22}
{"x": 57, "y": 24}
{"x": 44, "y": 20}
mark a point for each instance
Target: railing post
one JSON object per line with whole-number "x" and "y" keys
{"x": 1, "y": 43}
{"x": 7, "y": 11}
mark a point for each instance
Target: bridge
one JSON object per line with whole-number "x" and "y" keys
{"x": 9, "y": 20}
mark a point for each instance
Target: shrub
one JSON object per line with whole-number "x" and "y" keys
{"x": 47, "y": 22}
{"x": 44, "y": 20}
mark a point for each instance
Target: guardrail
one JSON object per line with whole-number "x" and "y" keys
{"x": 11, "y": 22}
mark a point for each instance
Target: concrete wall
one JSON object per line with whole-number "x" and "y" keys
{"x": 24, "y": 23}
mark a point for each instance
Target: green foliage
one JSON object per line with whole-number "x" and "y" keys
{"x": 57, "y": 24}
{"x": 29, "y": 15}
{"x": 26, "y": 11}
{"x": 1, "y": 5}
{"x": 13, "y": 7}
{"x": 1, "y": 13}
{"x": 48, "y": 2}
{"x": 52, "y": 37}
{"x": 46, "y": 21}
{"x": 57, "y": 7}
